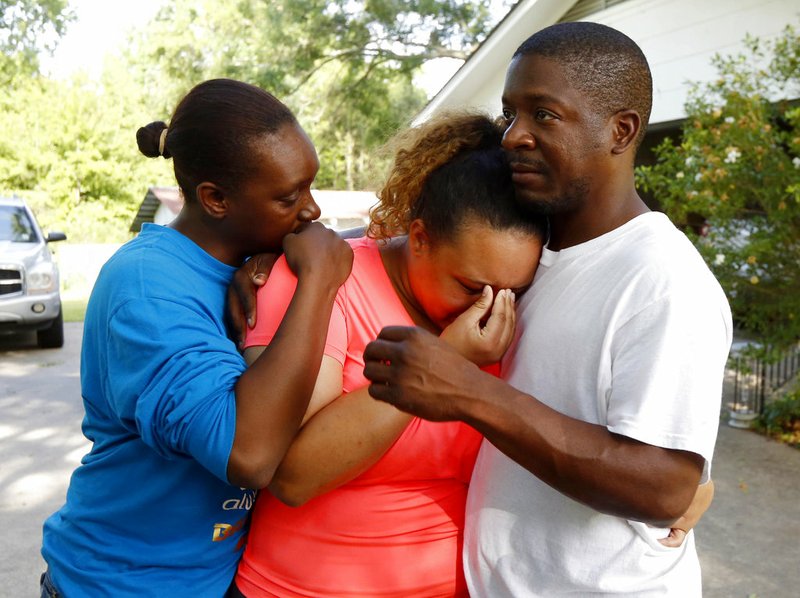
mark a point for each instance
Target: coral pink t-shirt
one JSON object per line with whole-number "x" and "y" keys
{"x": 395, "y": 530}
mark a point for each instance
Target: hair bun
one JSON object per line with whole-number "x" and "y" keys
{"x": 149, "y": 137}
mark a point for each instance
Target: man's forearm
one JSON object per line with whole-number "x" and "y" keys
{"x": 420, "y": 374}
{"x": 607, "y": 472}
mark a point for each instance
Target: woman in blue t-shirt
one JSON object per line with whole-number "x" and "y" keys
{"x": 183, "y": 433}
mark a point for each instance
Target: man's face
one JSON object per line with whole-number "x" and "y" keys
{"x": 555, "y": 139}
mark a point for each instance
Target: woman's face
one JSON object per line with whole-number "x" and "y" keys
{"x": 448, "y": 276}
{"x": 277, "y": 199}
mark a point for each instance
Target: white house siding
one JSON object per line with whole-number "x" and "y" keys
{"x": 679, "y": 38}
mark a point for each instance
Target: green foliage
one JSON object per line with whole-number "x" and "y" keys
{"x": 345, "y": 67}
{"x": 781, "y": 418}
{"x": 70, "y": 148}
{"x": 737, "y": 171}
{"x": 28, "y": 27}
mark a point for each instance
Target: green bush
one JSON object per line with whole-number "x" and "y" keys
{"x": 781, "y": 419}
{"x": 736, "y": 170}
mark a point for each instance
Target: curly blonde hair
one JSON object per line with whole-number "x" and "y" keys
{"x": 418, "y": 152}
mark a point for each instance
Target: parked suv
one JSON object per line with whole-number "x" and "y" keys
{"x": 29, "y": 293}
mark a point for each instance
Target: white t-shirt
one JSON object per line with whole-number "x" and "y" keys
{"x": 629, "y": 330}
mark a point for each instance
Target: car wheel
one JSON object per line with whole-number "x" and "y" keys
{"x": 52, "y": 337}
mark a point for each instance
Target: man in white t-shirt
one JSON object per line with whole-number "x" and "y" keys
{"x": 606, "y": 417}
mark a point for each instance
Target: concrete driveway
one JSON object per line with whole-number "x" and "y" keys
{"x": 40, "y": 444}
{"x": 747, "y": 541}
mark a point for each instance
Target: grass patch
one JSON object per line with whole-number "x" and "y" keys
{"x": 74, "y": 309}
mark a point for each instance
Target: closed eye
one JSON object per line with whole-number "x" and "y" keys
{"x": 289, "y": 199}
{"x": 471, "y": 289}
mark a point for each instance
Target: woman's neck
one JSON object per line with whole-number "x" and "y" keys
{"x": 204, "y": 234}
{"x": 394, "y": 255}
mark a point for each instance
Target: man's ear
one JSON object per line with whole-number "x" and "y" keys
{"x": 212, "y": 200}
{"x": 419, "y": 240}
{"x": 625, "y": 128}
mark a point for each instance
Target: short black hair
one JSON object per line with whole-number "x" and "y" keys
{"x": 600, "y": 61}
{"x": 211, "y": 133}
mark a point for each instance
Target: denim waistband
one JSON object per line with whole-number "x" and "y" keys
{"x": 47, "y": 587}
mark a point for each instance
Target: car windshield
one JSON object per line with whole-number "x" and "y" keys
{"x": 15, "y": 225}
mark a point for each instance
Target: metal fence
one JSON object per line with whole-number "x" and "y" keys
{"x": 752, "y": 381}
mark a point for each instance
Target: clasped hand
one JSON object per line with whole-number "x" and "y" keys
{"x": 313, "y": 250}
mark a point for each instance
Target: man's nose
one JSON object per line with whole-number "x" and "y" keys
{"x": 518, "y": 136}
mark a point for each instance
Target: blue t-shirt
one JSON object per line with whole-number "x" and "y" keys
{"x": 149, "y": 511}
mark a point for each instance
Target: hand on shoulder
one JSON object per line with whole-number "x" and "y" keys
{"x": 317, "y": 251}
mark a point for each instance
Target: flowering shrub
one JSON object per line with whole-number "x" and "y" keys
{"x": 736, "y": 172}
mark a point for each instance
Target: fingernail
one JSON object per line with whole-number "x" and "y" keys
{"x": 249, "y": 322}
{"x": 259, "y": 278}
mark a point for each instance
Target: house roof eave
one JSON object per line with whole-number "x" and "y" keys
{"x": 525, "y": 18}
